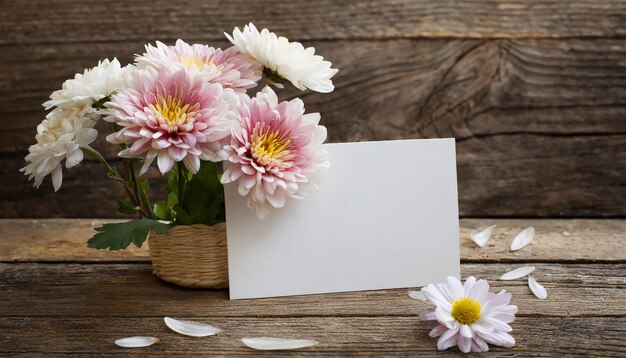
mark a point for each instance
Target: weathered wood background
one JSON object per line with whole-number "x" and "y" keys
{"x": 534, "y": 91}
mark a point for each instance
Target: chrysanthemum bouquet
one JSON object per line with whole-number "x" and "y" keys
{"x": 207, "y": 118}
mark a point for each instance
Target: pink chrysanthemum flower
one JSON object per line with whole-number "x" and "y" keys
{"x": 227, "y": 67}
{"x": 469, "y": 315}
{"x": 173, "y": 116}
{"x": 274, "y": 150}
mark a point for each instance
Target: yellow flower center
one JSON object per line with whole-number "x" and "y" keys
{"x": 466, "y": 310}
{"x": 194, "y": 60}
{"x": 269, "y": 146}
{"x": 173, "y": 112}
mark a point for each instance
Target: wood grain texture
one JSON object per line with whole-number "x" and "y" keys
{"x": 64, "y": 240}
{"x": 83, "y": 21}
{"x": 539, "y": 123}
{"x": 338, "y": 336}
{"x": 534, "y": 91}
{"x": 71, "y": 305}
{"x": 131, "y": 289}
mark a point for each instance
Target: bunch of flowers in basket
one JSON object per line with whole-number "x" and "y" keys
{"x": 205, "y": 116}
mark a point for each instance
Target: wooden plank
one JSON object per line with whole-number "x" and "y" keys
{"x": 574, "y": 240}
{"x": 539, "y": 123}
{"x": 64, "y": 240}
{"x": 130, "y": 290}
{"x": 338, "y": 336}
{"x": 82, "y": 21}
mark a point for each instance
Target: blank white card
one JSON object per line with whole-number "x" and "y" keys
{"x": 385, "y": 216}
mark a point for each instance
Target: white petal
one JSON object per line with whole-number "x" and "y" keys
{"x": 465, "y": 344}
{"x": 435, "y": 296}
{"x": 57, "y": 177}
{"x": 164, "y": 162}
{"x": 438, "y": 331}
{"x": 136, "y": 342}
{"x": 445, "y": 317}
{"x": 189, "y": 328}
{"x": 481, "y": 344}
{"x": 268, "y": 343}
{"x": 417, "y": 295}
{"x": 455, "y": 287}
{"x": 518, "y": 273}
{"x": 482, "y": 237}
{"x": 523, "y": 238}
{"x": 469, "y": 283}
{"x": 428, "y": 316}
{"x": 192, "y": 162}
{"x": 498, "y": 338}
{"x": 448, "y": 339}
{"x": 537, "y": 289}
{"x": 466, "y": 331}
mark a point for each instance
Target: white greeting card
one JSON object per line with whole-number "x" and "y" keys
{"x": 385, "y": 216}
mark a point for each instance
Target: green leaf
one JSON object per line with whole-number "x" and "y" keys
{"x": 162, "y": 211}
{"x": 189, "y": 175}
{"x": 217, "y": 212}
{"x": 121, "y": 235}
{"x": 172, "y": 199}
{"x": 203, "y": 199}
{"x": 144, "y": 189}
{"x": 125, "y": 207}
{"x": 144, "y": 185}
{"x": 172, "y": 181}
{"x": 182, "y": 216}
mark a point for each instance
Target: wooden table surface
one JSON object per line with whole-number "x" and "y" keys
{"x": 59, "y": 298}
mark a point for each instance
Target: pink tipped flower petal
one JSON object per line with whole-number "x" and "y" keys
{"x": 227, "y": 67}
{"x": 273, "y": 151}
{"x": 172, "y": 115}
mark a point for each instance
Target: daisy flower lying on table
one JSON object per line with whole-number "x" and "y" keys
{"x": 469, "y": 316}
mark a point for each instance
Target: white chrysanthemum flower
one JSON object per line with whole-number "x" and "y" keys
{"x": 60, "y": 137}
{"x": 289, "y": 60}
{"x": 469, "y": 315}
{"x": 91, "y": 86}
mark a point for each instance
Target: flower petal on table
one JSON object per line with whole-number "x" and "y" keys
{"x": 481, "y": 238}
{"x": 523, "y": 238}
{"x": 537, "y": 289}
{"x": 518, "y": 273}
{"x": 269, "y": 343}
{"x": 189, "y": 328}
{"x": 417, "y": 295}
{"x": 136, "y": 342}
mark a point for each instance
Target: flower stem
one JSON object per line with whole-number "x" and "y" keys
{"x": 141, "y": 197}
{"x": 115, "y": 175}
{"x": 130, "y": 168}
{"x": 94, "y": 153}
{"x": 181, "y": 182}
{"x": 137, "y": 195}
{"x": 269, "y": 77}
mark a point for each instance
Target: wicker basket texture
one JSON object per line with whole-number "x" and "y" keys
{"x": 191, "y": 255}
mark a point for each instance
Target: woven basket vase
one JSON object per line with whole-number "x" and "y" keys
{"x": 191, "y": 255}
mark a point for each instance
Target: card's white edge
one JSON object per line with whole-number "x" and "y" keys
{"x": 326, "y": 292}
{"x": 457, "y": 274}
{"x": 457, "y": 270}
